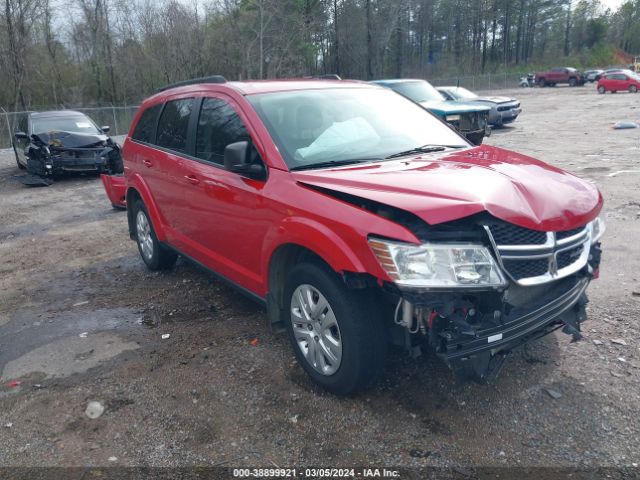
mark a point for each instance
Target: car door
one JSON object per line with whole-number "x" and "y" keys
{"x": 618, "y": 82}
{"x": 225, "y": 224}
{"x": 158, "y": 159}
{"x": 625, "y": 81}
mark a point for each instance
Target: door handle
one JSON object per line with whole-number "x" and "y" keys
{"x": 147, "y": 163}
{"x": 192, "y": 179}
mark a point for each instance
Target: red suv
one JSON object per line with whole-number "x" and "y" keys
{"x": 360, "y": 221}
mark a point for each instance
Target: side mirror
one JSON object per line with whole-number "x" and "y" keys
{"x": 237, "y": 159}
{"x": 105, "y": 128}
{"x": 21, "y": 136}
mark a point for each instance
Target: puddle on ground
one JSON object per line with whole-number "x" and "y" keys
{"x": 68, "y": 355}
{"x": 28, "y": 330}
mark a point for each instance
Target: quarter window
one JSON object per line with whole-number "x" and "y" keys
{"x": 218, "y": 126}
{"x": 173, "y": 126}
{"x": 146, "y": 126}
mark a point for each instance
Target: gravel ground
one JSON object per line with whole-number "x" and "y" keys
{"x": 81, "y": 319}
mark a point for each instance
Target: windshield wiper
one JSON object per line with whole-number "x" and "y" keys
{"x": 423, "y": 149}
{"x": 333, "y": 163}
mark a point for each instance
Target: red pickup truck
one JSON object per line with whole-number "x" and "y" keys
{"x": 560, "y": 75}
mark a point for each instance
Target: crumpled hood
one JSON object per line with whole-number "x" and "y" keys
{"x": 441, "y": 188}
{"x": 71, "y": 139}
{"x": 449, "y": 108}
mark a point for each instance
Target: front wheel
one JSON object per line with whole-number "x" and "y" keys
{"x": 601, "y": 89}
{"x": 573, "y": 82}
{"x": 336, "y": 333}
{"x": 633, "y": 89}
{"x": 154, "y": 254}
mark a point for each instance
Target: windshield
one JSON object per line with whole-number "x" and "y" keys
{"x": 460, "y": 93}
{"x": 316, "y": 126}
{"x": 76, "y": 124}
{"x": 419, "y": 91}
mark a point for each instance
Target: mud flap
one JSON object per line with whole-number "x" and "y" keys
{"x": 116, "y": 188}
{"x": 31, "y": 180}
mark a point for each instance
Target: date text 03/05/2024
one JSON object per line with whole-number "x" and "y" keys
{"x": 315, "y": 473}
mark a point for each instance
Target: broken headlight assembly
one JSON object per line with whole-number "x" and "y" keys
{"x": 438, "y": 265}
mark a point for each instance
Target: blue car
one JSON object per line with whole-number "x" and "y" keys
{"x": 468, "y": 118}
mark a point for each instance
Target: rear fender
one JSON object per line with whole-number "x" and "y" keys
{"x": 137, "y": 185}
{"x": 116, "y": 188}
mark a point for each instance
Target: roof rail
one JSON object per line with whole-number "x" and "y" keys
{"x": 194, "y": 81}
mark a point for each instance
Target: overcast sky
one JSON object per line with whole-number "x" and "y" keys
{"x": 612, "y": 4}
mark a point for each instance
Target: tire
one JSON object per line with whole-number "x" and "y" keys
{"x": 154, "y": 254}
{"x": 348, "y": 321}
{"x": 573, "y": 82}
{"x": 542, "y": 82}
{"x": 633, "y": 89}
{"x": 601, "y": 89}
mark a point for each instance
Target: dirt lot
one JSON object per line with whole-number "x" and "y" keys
{"x": 81, "y": 319}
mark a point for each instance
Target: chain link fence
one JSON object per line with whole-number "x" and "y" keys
{"x": 489, "y": 81}
{"x": 118, "y": 118}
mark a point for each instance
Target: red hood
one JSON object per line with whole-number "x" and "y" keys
{"x": 510, "y": 186}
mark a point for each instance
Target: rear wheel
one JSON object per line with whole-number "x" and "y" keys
{"x": 573, "y": 82}
{"x": 633, "y": 89}
{"x": 154, "y": 254}
{"x": 336, "y": 333}
{"x": 601, "y": 89}
{"x": 542, "y": 82}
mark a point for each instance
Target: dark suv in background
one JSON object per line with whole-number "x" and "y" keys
{"x": 469, "y": 118}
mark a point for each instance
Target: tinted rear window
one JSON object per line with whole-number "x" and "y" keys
{"x": 147, "y": 124}
{"x": 173, "y": 126}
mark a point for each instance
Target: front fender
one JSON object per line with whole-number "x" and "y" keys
{"x": 343, "y": 249}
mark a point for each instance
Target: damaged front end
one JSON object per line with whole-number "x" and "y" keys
{"x": 501, "y": 287}
{"x": 54, "y": 153}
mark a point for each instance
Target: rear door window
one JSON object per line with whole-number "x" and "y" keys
{"x": 146, "y": 127}
{"x": 218, "y": 126}
{"x": 173, "y": 125}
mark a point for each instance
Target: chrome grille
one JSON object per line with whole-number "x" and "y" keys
{"x": 532, "y": 257}
{"x": 508, "y": 234}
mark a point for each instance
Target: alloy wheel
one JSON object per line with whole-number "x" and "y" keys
{"x": 316, "y": 329}
{"x": 145, "y": 240}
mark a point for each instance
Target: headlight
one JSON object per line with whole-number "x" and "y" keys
{"x": 453, "y": 118}
{"x": 437, "y": 265}
{"x": 597, "y": 228}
